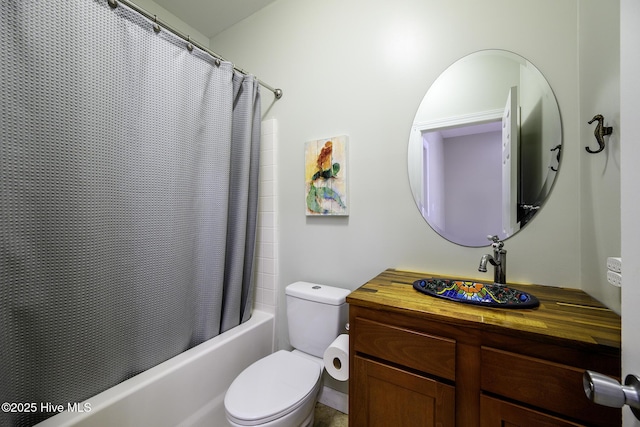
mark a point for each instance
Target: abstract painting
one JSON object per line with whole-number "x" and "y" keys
{"x": 326, "y": 176}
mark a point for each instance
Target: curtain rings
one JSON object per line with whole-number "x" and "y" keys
{"x": 156, "y": 26}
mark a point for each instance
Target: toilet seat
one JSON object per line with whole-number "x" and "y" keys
{"x": 271, "y": 388}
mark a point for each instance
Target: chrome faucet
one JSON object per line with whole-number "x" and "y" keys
{"x": 498, "y": 260}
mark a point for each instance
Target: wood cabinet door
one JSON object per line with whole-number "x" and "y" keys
{"x": 386, "y": 396}
{"x": 553, "y": 387}
{"x": 497, "y": 413}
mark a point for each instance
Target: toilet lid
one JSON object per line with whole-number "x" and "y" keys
{"x": 271, "y": 387}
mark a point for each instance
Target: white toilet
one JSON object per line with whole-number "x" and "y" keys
{"x": 281, "y": 389}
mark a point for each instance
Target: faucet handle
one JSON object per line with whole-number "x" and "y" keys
{"x": 496, "y": 242}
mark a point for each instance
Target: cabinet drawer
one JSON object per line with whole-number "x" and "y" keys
{"x": 551, "y": 386}
{"x": 498, "y": 413}
{"x": 426, "y": 353}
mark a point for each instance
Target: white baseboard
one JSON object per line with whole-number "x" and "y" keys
{"x": 334, "y": 399}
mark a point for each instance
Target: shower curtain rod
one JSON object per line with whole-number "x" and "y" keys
{"x": 187, "y": 38}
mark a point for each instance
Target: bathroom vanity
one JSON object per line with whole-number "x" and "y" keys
{"x": 423, "y": 361}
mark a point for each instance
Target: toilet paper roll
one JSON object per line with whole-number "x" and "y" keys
{"x": 336, "y": 358}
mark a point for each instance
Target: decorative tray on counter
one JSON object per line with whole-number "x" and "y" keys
{"x": 470, "y": 292}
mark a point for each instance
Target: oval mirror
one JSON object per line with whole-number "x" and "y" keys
{"x": 485, "y": 147}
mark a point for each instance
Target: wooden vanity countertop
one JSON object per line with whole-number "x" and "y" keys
{"x": 564, "y": 313}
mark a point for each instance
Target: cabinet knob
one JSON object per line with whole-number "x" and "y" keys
{"x": 607, "y": 391}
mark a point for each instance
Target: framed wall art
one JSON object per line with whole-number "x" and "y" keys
{"x": 326, "y": 176}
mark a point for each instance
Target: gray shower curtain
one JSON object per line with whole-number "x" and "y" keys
{"x": 128, "y": 199}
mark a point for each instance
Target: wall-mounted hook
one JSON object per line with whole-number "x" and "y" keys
{"x": 557, "y": 148}
{"x": 599, "y": 132}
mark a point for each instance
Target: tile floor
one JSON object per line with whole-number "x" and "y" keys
{"x": 326, "y": 416}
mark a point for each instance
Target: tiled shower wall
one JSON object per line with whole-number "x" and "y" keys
{"x": 267, "y": 236}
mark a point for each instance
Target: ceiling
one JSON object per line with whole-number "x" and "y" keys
{"x": 211, "y": 17}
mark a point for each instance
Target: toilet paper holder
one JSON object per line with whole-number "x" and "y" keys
{"x": 336, "y": 362}
{"x": 336, "y": 358}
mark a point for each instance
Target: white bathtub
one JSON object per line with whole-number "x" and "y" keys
{"x": 187, "y": 390}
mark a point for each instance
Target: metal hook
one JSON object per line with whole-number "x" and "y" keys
{"x": 600, "y": 132}
{"x": 189, "y": 45}
{"x": 113, "y": 3}
{"x": 559, "y": 149}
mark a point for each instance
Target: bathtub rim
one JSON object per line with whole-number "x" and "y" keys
{"x": 135, "y": 384}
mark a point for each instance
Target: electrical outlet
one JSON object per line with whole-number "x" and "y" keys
{"x": 614, "y": 264}
{"x": 614, "y": 278}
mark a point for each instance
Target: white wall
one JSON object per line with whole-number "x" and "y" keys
{"x": 361, "y": 68}
{"x": 169, "y": 19}
{"x": 600, "y": 173}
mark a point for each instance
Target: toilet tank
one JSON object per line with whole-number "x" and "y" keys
{"x": 316, "y": 315}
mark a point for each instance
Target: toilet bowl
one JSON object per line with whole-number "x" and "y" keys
{"x": 281, "y": 389}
